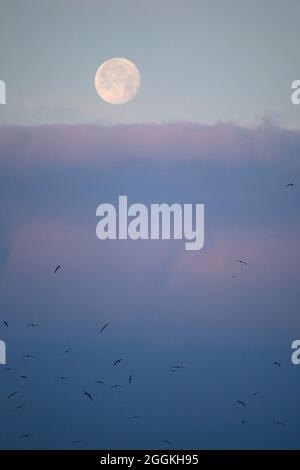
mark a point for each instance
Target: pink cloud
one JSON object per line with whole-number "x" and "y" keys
{"x": 96, "y": 145}
{"x": 268, "y": 255}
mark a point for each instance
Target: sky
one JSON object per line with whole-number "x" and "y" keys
{"x": 200, "y": 61}
{"x": 212, "y": 124}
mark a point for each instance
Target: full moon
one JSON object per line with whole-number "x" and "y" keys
{"x": 117, "y": 81}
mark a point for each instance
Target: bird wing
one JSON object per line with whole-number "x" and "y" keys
{"x": 242, "y": 403}
{"x": 103, "y": 327}
{"x": 56, "y": 269}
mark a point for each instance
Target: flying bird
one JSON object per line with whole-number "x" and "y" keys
{"x": 32, "y": 325}
{"x": 135, "y": 417}
{"x": 167, "y": 442}
{"x": 103, "y": 327}
{"x": 12, "y": 394}
{"x": 9, "y": 369}
{"x": 277, "y": 364}
{"x": 62, "y": 377}
{"x": 278, "y": 423}
{"x": 67, "y": 351}
{"x": 99, "y": 382}
{"x": 4, "y": 323}
{"x": 118, "y": 361}
{"x": 289, "y": 185}
{"x": 57, "y": 268}
{"x": 27, "y": 356}
{"x": 79, "y": 442}
{"x": 254, "y": 394}
{"x": 18, "y": 407}
{"x": 240, "y": 402}
{"x": 24, "y": 436}
{"x": 23, "y": 377}
{"x": 130, "y": 379}
{"x": 87, "y": 394}
{"x": 115, "y": 386}
{"x": 241, "y": 262}
{"x": 176, "y": 368}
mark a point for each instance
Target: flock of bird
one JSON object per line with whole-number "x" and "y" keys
{"x": 85, "y": 393}
{"x": 243, "y": 404}
{"x": 275, "y": 363}
{"x": 88, "y": 395}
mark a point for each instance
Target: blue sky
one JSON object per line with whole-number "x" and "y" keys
{"x": 212, "y": 124}
{"x": 166, "y": 306}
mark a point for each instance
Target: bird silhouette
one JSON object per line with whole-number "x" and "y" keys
{"x": 115, "y": 386}
{"x": 278, "y": 423}
{"x": 18, "y": 407}
{"x": 167, "y": 442}
{"x": 79, "y": 442}
{"x": 27, "y": 356}
{"x": 135, "y": 417}
{"x": 62, "y": 377}
{"x": 23, "y": 377}
{"x": 67, "y": 351}
{"x": 24, "y": 436}
{"x": 99, "y": 382}
{"x": 277, "y": 364}
{"x": 289, "y": 185}
{"x": 32, "y": 325}
{"x": 87, "y": 394}
{"x": 241, "y": 262}
{"x": 118, "y": 361}
{"x": 130, "y": 379}
{"x": 176, "y": 368}
{"x": 103, "y": 327}
{"x": 57, "y": 268}
{"x": 240, "y": 402}
{"x": 254, "y": 394}
{"x": 12, "y": 394}
{"x": 4, "y": 323}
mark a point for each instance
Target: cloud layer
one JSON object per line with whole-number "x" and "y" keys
{"x": 52, "y": 179}
{"x": 86, "y": 144}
